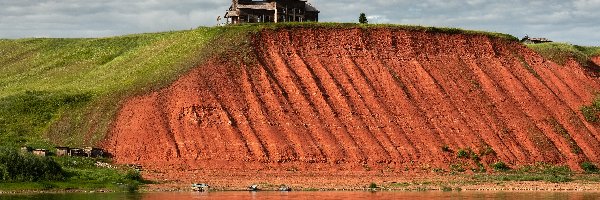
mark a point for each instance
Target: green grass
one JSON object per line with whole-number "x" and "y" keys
{"x": 500, "y": 166}
{"x": 589, "y": 167}
{"x": 537, "y": 172}
{"x": 560, "y": 53}
{"x": 590, "y": 112}
{"x": 446, "y": 30}
{"x": 54, "y": 88}
{"x": 26, "y": 172}
{"x": 82, "y": 179}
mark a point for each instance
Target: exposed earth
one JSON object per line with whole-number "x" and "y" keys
{"x": 340, "y": 101}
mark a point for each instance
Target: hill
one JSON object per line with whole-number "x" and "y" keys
{"x": 66, "y": 91}
{"x": 304, "y": 97}
{"x": 349, "y": 97}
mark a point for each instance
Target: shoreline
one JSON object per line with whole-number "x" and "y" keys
{"x": 220, "y": 181}
{"x": 472, "y": 188}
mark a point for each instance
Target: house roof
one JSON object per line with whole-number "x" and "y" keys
{"x": 310, "y": 8}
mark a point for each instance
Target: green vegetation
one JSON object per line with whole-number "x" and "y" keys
{"x": 446, "y": 30}
{"x": 591, "y": 112}
{"x": 479, "y": 169}
{"x": 362, "y": 18}
{"x": 487, "y": 150}
{"x": 468, "y": 153}
{"x": 457, "y": 168}
{"x": 446, "y": 148}
{"x": 537, "y": 172}
{"x": 462, "y": 153}
{"x": 25, "y": 171}
{"x": 560, "y": 129}
{"x": 17, "y": 167}
{"x": 500, "y": 166}
{"x": 23, "y": 117}
{"x": 560, "y": 52}
{"x": 529, "y": 68}
{"x": 589, "y": 167}
{"x": 52, "y": 90}
{"x": 446, "y": 189}
{"x": 373, "y": 186}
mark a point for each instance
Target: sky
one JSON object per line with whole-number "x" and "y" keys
{"x": 571, "y": 21}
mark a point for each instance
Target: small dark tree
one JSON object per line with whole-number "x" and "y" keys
{"x": 363, "y": 18}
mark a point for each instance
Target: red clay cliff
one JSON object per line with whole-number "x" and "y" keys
{"x": 348, "y": 99}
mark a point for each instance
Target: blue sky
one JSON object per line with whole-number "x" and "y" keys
{"x": 574, "y": 21}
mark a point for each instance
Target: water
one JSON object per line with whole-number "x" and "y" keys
{"x": 313, "y": 195}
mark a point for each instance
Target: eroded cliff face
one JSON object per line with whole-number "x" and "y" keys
{"x": 335, "y": 99}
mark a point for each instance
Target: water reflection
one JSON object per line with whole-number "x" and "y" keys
{"x": 315, "y": 195}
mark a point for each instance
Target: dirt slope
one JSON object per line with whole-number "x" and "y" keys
{"x": 347, "y": 99}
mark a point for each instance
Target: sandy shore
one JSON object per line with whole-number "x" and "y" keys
{"x": 317, "y": 181}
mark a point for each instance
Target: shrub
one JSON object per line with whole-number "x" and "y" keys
{"x": 16, "y": 167}
{"x": 3, "y": 173}
{"x": 134, "y": 175}
{"x": 500, "y": 166}
{"x": 373, "y": 186}
{"x": 457, "y": 168}
{"x": 474, "y": 157}
{"x": 487, "y": 150}
{"x": 479, "y": 169}
{"x": 446, "y": 148}
{"x": 132, "y": 187}
{"x": 446, "y": 189}
{"x": 462, "y": 153}
{"x": 590, "y": 113}
{"x": 589, "y": 167}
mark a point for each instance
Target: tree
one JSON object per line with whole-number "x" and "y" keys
{"x": 363, "y": 18}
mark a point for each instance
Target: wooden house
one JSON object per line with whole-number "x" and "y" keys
{"x": 260, "y": 11}
{"x": 530, "y": 40}
{"x": 40, "y": 152}
{"x": 62, "y": 151}
{"x": 76, "y": 152}
{"x": 93, "y": 152}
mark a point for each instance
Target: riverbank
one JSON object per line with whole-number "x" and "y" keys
{"x": 358, "y": 181}
{"x": 337, "y": 181}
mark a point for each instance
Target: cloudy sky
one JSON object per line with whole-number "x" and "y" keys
{"x": 573, "y": 21}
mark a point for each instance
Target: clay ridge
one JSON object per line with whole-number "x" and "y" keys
{"x": 341, "y": 99}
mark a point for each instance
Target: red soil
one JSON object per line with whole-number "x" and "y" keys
{"x": 354, "y": 99}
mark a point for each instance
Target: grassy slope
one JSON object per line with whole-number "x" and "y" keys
{"x": 44, "y": 81}
{"x": 561, "y": 52}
